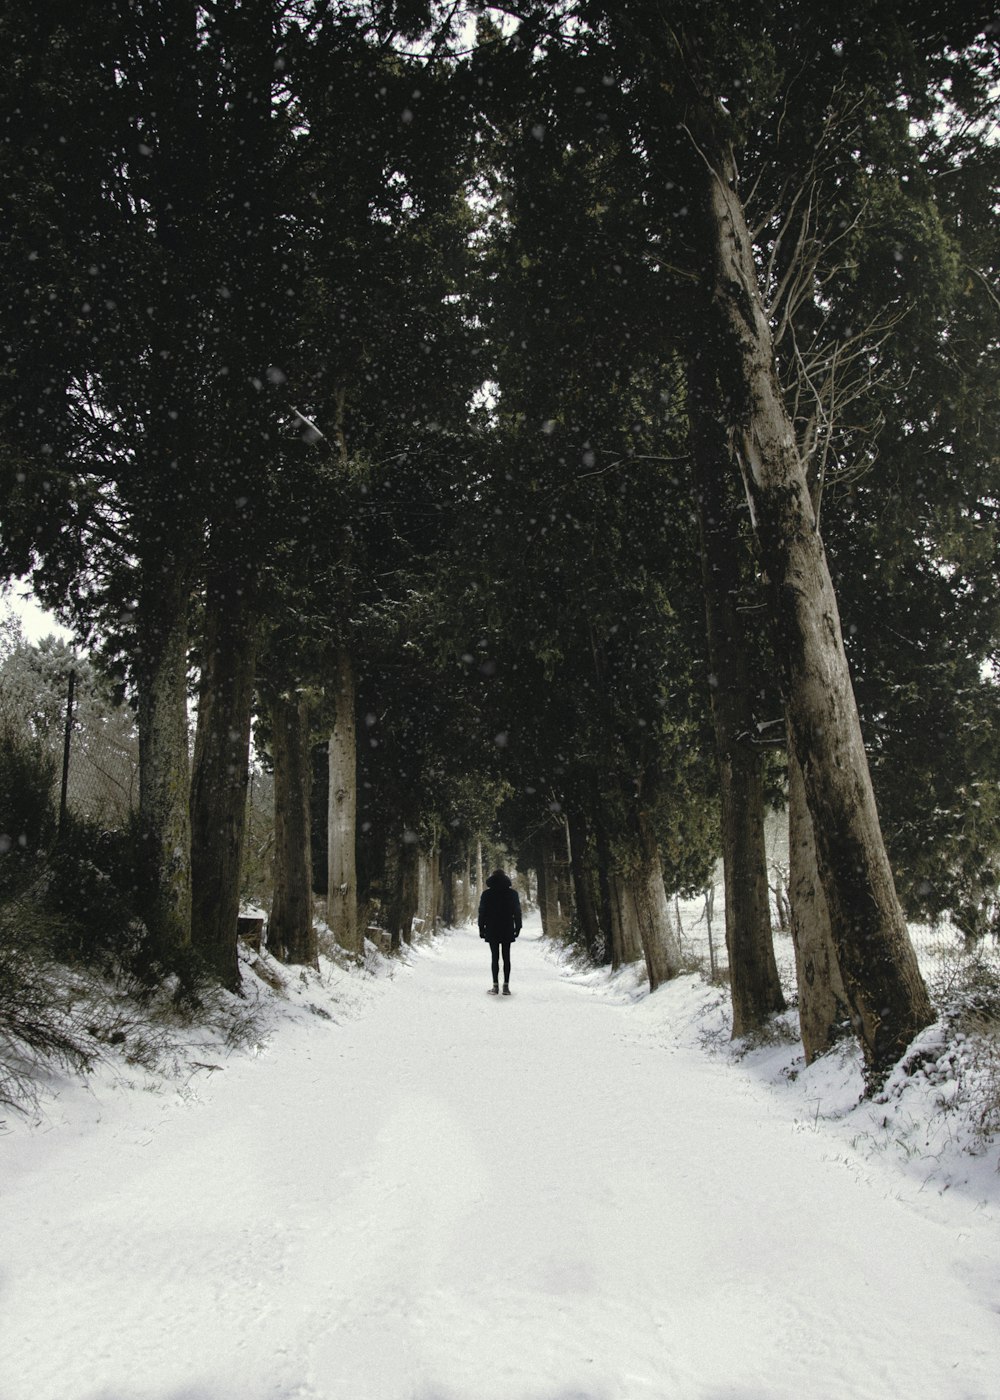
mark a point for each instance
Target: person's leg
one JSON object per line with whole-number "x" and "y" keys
{"x": 495, "y": 960}
{"x": 506, "y": 962}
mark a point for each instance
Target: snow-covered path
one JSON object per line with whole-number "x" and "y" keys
{"x": 456, "y": 1197}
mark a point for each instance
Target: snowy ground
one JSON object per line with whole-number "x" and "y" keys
{"x": 576, "y": 1193}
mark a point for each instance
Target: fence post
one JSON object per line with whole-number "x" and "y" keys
{"x": 67, "y": 741}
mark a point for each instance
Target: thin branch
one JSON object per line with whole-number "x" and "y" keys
{"x": 638, "y": 457}
{"x": 989, "y": 290}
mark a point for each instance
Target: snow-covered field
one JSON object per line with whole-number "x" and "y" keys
{"x": 414, "y": 1191}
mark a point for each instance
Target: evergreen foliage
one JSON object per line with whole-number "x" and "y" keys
{"x": 363, "y": 329}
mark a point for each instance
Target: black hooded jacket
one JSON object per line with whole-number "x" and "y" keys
{"x": 499, "y": 910}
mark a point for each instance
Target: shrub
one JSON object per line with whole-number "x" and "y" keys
{"x": 93, "y": 917}
{"x": 36, "y": 999}
{"x": 967, "y": 991}
{"x": 27, "y": 812}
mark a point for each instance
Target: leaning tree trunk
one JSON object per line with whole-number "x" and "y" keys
{"x": 164, "y": 762}
{"x": 221, "y": 768}
{"x": 822, "y": 1004}
{"x": 660, "y": 944}
{"x": 291, "y": 932}
{"x": 886, "y": 994}
{"x": 342, "y": 879}
{"x": 755, "y": 985}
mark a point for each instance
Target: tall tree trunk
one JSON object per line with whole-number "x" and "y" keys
{"x": 402, "y": 886}
{"x": 822, "y": 1004}
{"x": 221, "y": 768}
{"x": 479, "y": 874}
{"x": 626, "y": 941}
{"x": 886, "y": 994}
{"x": 342, "y": 878}
{"x": 562, "y": 880}
{"x": 467, "y": 885}
{"x": 539, "y": 860}
{"x": 604, "y": 886}
{"x": 632, "y": 949}
{"x": 548, "y": 888}
{"x": 582, "y": 889}
{"x": 291, "y": 932}
{"x": 617, "y": 935}
{"x": 421, "y": 883}
{"x": 392, "y": 891}
{"x": 448, "y": 881}
{"x": 410, "y": 892}
{"x": 656, "y": 930}
{"x": 435, "y": 897}
{"x": 755, "y": 985}
{"x": 164, "y": 762}
{"x": 423, "y": 887}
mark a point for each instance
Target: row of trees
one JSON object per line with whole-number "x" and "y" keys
{"x": 391, "y": 373}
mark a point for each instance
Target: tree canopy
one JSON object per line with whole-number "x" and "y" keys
{"x": 395, "y": 331}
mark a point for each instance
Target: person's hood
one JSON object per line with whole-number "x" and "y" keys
{"x": 498, "y": 880}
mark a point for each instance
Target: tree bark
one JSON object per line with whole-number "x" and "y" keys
{"x": 421, "y": 904}
{"x": 617, "y": 935}
{"x": 448, "y": 881}
{"x": 604, "y": 887}
{"x": 434, "y": 896}
{"x": 410, "y": 893}
{"x": 466, "y": 913}
{"x": 342, "y": 878}
{"x": 754, "y": 982}
{"x": 221, "y": 768}
{"x": 628, "y": 943}
{"x": 402, "y": 886}
{"x": 822, "y": 1004}
{"x": 164, "y": 762}
{"x": 548, "y": 889}
{"x": 392, "y": 892}
{"x": 656, "y": 931}
{"x": 562, "y": 879}
{"x": 291, "y": 932}
{"x": 539, "y": 858}
{"x": 582, "y": 889}
{"x": 886, "y": 994}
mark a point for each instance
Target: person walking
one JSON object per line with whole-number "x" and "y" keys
{"x": 499, "y": 924}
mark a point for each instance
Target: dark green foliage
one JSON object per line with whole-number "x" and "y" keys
{"x": 35, "y": 1028}
{"x": 91, "y": 892}
{"x": 27, "y": 810}
{"x": 247, "y": 305}
{"x": 83, "y": 906}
